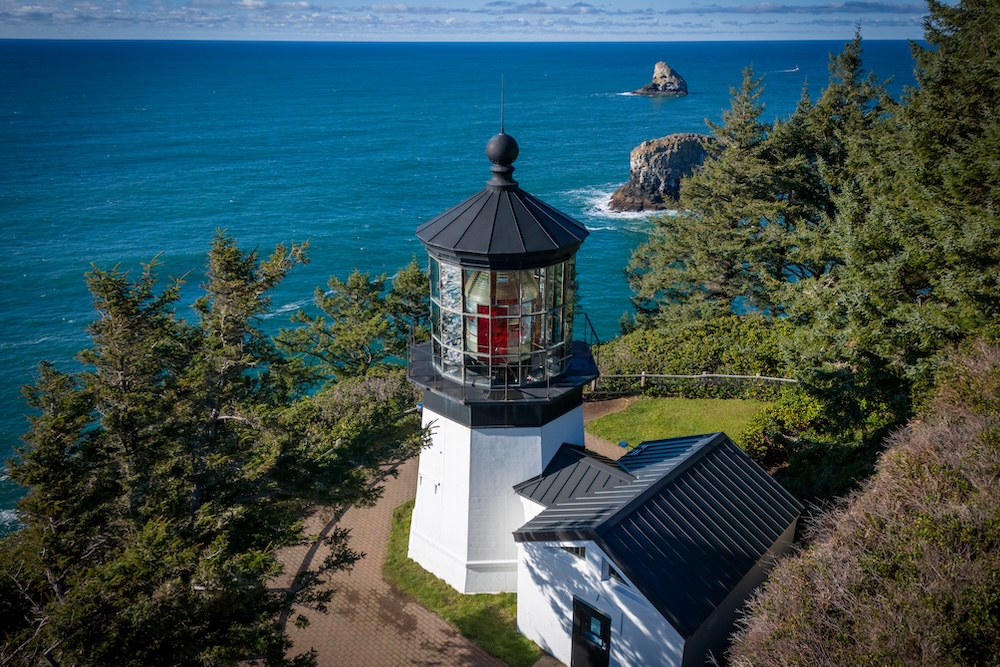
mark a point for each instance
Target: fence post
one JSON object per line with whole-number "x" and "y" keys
{"x": 642, "y": 382}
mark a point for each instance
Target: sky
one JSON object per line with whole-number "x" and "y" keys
{"x": 461, "y": 20}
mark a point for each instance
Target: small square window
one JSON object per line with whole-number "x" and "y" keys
{"x": 608, "y": 571}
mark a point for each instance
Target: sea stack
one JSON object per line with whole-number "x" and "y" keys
{"x": 665, "y": 82}
{"x": 655, "y": 171}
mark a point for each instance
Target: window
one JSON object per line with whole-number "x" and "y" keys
{"x": 579, "y": 552}
{"x": 608, "y": 571}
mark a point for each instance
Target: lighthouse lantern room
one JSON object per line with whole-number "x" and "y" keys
{"x": 502, "y": 375}
{"x": 500, "y": 327}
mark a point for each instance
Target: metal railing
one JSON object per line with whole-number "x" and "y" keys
{"x": 427, "y": 368}
{"x": 627, "y": 383}
{"x": 590, "y": 336}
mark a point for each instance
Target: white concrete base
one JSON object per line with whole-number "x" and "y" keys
{"x": 466, "y": 509}
{"x": 465, "y": 577}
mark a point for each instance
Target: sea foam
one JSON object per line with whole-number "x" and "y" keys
{"x": 285, "y": 309}
{"x": 8, "y": 520}
{"x": 595, "y": 202}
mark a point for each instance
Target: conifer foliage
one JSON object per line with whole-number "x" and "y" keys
{"x": 164, "y": 477}
{"x": 361, "y": 324}
{"x": 869, "y": 225}
{"x": 906, "y": 570}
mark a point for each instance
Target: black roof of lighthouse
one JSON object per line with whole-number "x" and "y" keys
{"x": 502, "y": 226}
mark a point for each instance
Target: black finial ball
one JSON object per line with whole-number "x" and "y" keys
{"x": 502, "y": 149}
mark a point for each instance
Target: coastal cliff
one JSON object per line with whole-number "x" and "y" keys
{"x": 665, "y": 82}
{"x": 655, "y": 171}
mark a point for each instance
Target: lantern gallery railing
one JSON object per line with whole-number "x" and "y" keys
{"x": 508, "y": 376}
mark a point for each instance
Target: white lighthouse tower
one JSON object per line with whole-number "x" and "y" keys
{"x": 502, "y": 377}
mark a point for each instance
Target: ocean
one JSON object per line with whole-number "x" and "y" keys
{"x": 113, "y": 153}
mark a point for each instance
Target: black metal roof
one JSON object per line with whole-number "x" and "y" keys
{"x": 696, "y": 516}
{"x": 502, "y": 226}
{"x": 573, "y": 473}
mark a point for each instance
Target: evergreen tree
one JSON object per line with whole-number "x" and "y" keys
{"x": 408, "y": 303}
{"x": 951, "y": 130}
{"x": 361, "y": 324}
{"x": 805, "y": 220}
{"x": 917, "y": 238}
{"x": 163, "y": 479}
{"x": 917, "y": 242}
{"x": 761, "y": 212}
{"x": 698, "y": 263}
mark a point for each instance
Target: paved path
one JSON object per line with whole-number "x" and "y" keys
{"x": 370, "y": 624}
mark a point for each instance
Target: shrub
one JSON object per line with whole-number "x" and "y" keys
{"x": 906, "y": 571}
{"x": 736, "y": 345}
{"x": 772, "y": 429}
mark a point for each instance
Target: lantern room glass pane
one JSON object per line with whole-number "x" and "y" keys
{"x": 504, "y": 327}
{"x": 435, "y": 278}
{"x": 451, "y": 329}
{"x": 451, "y": 286}
{"x": 435, "y": 320}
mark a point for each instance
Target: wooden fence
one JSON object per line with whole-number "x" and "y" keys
{"x": 643, "y": 378}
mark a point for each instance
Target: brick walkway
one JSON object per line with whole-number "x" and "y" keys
{"x": 370, "y": 624}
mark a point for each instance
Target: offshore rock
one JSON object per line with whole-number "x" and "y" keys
{"x": 665, "y": 82}
{"x": 655, "y": 171}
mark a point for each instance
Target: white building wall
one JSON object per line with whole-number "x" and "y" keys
{"x": 438, "y": 540}
{"x": 548, "y": 580}
{"x": 567, "y": 429}
{"x": 531, "y": 508}
{"x": 466, "y": 509}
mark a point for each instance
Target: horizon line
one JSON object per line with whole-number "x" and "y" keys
{"x": 439, "y": 41}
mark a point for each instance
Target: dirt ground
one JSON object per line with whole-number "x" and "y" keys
{"x": 595, "y": 409}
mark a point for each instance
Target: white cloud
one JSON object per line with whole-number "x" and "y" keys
{"x": 853, "y": 7}
{"x": 497, "y": 19}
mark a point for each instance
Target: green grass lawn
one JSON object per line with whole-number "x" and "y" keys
{"x": 656, "y": 418}
{"x": 488, "y": 620}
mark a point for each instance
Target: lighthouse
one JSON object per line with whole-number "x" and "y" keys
{"x": 502, "y": 377}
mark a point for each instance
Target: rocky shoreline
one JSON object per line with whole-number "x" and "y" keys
{"x": 655, "y": 171}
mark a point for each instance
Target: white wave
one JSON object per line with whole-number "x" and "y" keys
{"x": 11, "y": 345}
{"x": 628, "y": 93}
{"x": 287, "y": 308}
{"x": 8, "y": 519}
{"x": 595, "y": 202}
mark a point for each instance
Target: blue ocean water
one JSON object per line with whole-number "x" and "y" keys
{"x": 115, "y": 152}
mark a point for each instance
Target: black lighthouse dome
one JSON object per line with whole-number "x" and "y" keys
{"x": 502, "y": 226}
{"x": 502, "y": 149}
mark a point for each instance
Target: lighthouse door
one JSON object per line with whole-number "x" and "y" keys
{"x": 591, "y": 636}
